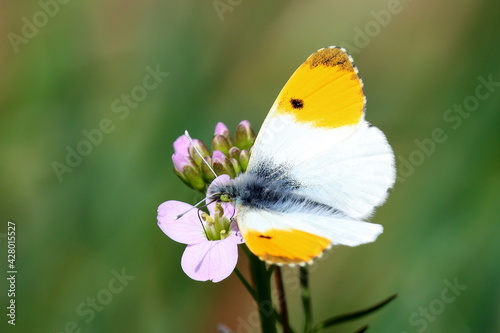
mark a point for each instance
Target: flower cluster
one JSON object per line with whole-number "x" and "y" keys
{"x": 229, "y": 156}
{"x": 212, "y": 238}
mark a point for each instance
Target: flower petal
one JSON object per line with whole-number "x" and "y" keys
{"x": 187, "y": 229}
{"x": 210, "y": 260}
{"x": 181, "y": 145}
{"x": 221, "y": 129}
{"x": 182, "y": 161}
{"x": 236, "y": 234}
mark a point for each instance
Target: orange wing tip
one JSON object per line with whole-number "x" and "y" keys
{"x": 351, "y": 61}
{"x": 286, "y": 246}
{"x": 332, "y": 57}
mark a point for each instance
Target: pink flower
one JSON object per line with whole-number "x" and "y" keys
{"x": 212, "y": 239}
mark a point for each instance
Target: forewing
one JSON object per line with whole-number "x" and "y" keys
{"x": 317, "y": 132}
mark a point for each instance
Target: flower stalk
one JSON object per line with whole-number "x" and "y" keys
{"x": 306, "y": 298}
{"x": 282, "y": 300}
{"x": 262, "y": 283}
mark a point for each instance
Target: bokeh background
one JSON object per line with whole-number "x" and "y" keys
{"x": 421, "y": 62}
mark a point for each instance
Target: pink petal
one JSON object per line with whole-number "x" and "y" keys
{"x": 245, "y": 123}
{"x": 180, "y": 161}
{"x": 181, "y": 145}
{"x": 210, "y": 260}
{"x": 219, "y": 157}
{"x": 187, "y": 229}
{"x": 236, "y": 234}
{"x": 221, "y": 129}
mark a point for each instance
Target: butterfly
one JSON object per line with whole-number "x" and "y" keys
{"x": 317, "y": 167}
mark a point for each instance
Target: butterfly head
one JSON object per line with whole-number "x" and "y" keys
{"x": 222, "y": 189}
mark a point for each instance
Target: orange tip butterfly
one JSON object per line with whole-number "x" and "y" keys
{"x": 317, "y": 168}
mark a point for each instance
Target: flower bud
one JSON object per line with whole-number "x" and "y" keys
{"x": 222, "y": 165}
{"x": 181, "y": 162}
{"x": 221, "y": 129}
{"x": 244, "y": 158}
{"x": 245, "y": 136}
{"x": 236, "y": 165}
{"x": 220, "y": 143}
{"x": 181, "y": 145}
{"x": 188, "y": 171}
{"x": 207, "y": 173}
{"x": 202, "y": 148}
{"x": 234, "y": 152}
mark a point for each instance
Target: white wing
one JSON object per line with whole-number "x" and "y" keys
{"x": 349, "y": 168}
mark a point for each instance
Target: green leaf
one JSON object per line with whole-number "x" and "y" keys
{"x": 353, "y": 315}
{"x": 362, "y": 329}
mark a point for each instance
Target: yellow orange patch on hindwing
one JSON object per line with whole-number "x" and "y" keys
{"x": 285, "y": 246}
{"x": 325, "y": 91}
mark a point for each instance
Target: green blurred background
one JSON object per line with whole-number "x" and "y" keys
{"x": 418, "y": 60}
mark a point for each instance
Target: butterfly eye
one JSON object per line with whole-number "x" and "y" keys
{"x": 225, "y": 198}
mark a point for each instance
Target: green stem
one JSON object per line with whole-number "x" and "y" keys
{"x": 262, "y": 284}
{"x": 247, "y": 285}
{"x": 254, "y": 295}
{"x": 282, "y": 300}
{"x": 306, "y": 298}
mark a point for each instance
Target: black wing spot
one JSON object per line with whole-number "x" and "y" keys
{"x": 264, "y": 236}
{"x": 297, "y": 103}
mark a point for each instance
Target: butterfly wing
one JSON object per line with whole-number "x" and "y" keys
{"x": 285, "y": 238}
{"x": 316, "y": 128}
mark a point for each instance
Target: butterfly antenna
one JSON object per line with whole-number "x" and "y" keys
{"x": 196, "y": 206}
{"x": 190, "y": 209}
{"x": 198, "y": 152}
